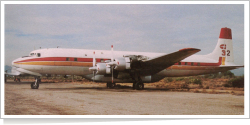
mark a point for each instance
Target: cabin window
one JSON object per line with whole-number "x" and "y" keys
{"x": 192, "y": 63}
{"x": 85, "y": 54}
{"x": 75, "y": 59}
{"x": 179, "y": 63}
{"x": 186, "y": 63}
{"x": 67, "y": 59}
{"x": 38, "y": 54}
{"x": 102, "y": 60}
{"x": 198, "y": 64}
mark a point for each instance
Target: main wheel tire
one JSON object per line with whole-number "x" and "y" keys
{"x": 111, "y": 85}
{"x": 139, "y": 86}
{"x": 107, "y": 85}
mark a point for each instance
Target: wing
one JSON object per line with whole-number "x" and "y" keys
{"x": 21, "y": 72}
{"x": 155, "y": 65}
{"x": 13, "y": 72}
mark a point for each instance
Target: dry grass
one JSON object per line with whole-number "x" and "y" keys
{"x": 211, "y": 86}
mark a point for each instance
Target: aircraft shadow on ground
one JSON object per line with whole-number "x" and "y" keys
{"x": 118, "y": 88}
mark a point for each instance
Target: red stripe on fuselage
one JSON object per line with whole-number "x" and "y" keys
{"x": 99, "y": 60}
{"x": 201, "y": 64}
{"x": 60, "y": 59}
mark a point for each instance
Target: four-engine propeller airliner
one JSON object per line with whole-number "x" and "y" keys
{"x": 130, "y": 67}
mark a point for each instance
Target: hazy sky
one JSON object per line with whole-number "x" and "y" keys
{"x": 152, "y": 28}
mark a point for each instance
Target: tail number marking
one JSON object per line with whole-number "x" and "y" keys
{"x": 224, "y": 47}
{"x": 224, "y": 53}
{"x": 228, "y": 52}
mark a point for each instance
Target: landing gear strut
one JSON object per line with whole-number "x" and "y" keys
{"x": 111, "y": 85}
{"x": 35, "y": 85}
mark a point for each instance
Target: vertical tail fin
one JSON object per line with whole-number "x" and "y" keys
{"x": 224, "y": 47}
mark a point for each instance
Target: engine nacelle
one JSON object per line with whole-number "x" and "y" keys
{"x": 103, "y": 69}
{"x": 122, "y": 64}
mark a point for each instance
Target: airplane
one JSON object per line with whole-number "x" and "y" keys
{"x": 111, "y": 67}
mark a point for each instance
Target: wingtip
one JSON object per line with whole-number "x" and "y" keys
{"x": 190, "y": 49}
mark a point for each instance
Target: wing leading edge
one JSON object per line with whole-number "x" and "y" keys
{"x": 155, "y": 65}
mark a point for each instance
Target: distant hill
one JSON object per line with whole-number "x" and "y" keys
{"x": 8, "y": 68}
{"x": 238, "y": 72}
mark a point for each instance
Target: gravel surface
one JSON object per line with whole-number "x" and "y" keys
{"x": 96, "y": 99}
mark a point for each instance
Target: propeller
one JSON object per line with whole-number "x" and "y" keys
{"x": 94, "y": 61}
{"x": 112, "y": 63}
{"x": 112, "y": 59}
{"x": 94, "y": 68}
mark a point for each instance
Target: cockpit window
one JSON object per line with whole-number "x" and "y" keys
{"x": 38, "y": 54}
{"x": 31, "y": 54}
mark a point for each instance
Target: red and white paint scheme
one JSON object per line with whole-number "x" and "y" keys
{"x": 131, "y": 67}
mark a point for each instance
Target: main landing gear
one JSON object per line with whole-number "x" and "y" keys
{"x": 138, "y": 84}
{"x": 35, "y": 85}
{"x": 17, "y": 79}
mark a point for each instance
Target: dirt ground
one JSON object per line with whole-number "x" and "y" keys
{"x": 95, "y": 99}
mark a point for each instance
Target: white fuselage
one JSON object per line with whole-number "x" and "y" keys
{"x": 62, "y": 61}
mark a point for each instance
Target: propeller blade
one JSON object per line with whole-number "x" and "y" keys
{"x": 112, "y": 74}
{"x": 112, "y": 59}
{"x": 94, "y": 61}
{"x": 112, "y": 55}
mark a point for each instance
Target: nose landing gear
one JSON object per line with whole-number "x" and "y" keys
{"x": 35, "y": 85}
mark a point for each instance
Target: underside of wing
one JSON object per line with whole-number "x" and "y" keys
{"x": 155, "y": 65}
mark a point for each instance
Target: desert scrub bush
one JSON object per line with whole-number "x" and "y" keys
{"x": 228, "y": 74}
{"x": 187, "y": 81}
{"x": 195, "y": 81}
{"x": 207, "y": 87}
{"x": 211, "y": 76}
{"x": 179, "y": 78}
{"x": 168, "y": 79}
{"x": 235, "y": 82}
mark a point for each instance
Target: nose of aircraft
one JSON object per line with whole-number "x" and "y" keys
{"x": 14, "y": 62}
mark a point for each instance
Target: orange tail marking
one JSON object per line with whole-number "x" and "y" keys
{"x": 223, "y": 60}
